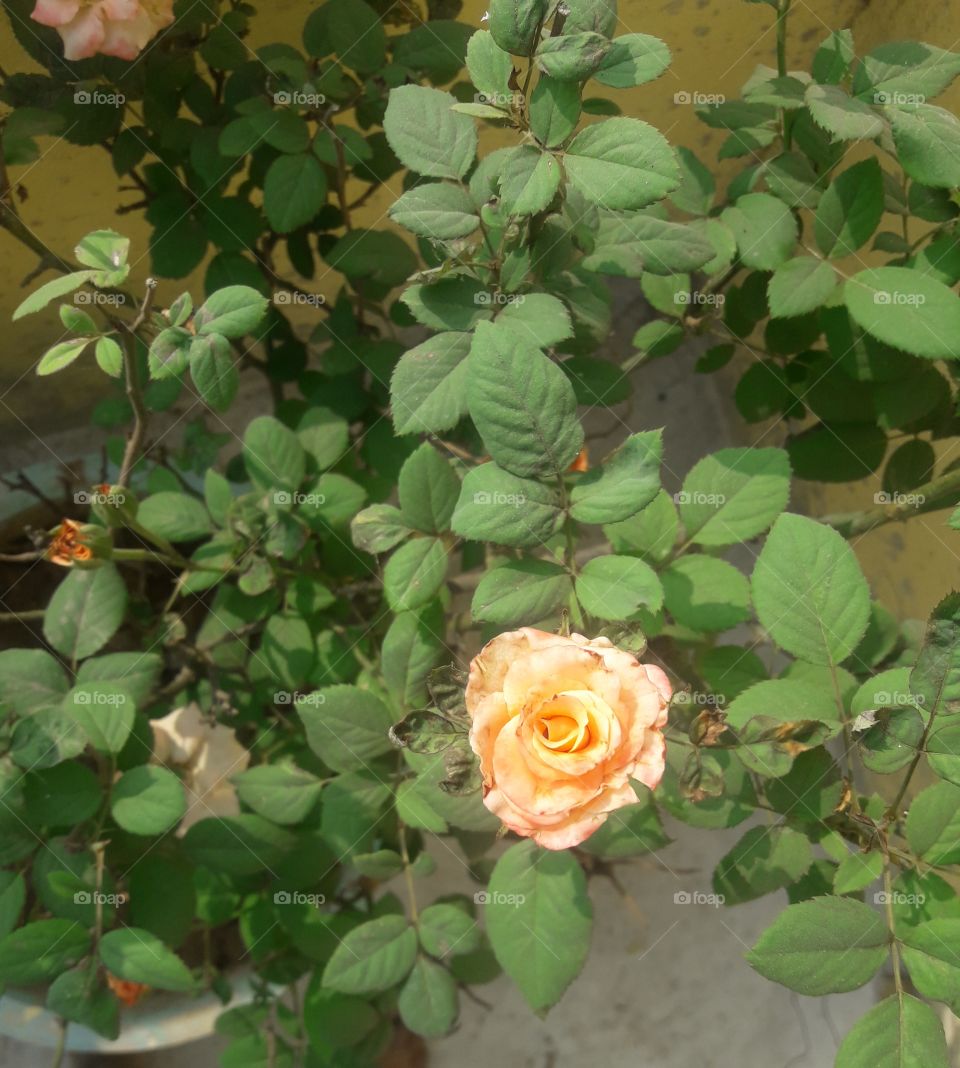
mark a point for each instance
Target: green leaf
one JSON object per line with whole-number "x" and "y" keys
{"x": 554, "y": 111}
{"x": 521, "y": 592}
{"x": 41, "y": 950}
{"x": 734, "y": 495}
{"x": 104, "y": 712}
{"x": 273, "y": 455}
{"x": 705, "y": 594}
{"x": 899, "y": 67}
{"x": 842, "y": 115}
{"x": 379, "y": 528}
{"x": 426, "y": 135}
{"x": 294, "y": 191}
{"x": 827, "y": 945}
{"x": 933, "y": 824}
{"x": 522, "y": 404}
{"x": 909, "y": 310}
{"x": 174, "y": 516}
{"x": 809, "y": 591}
{"x": 650, "y": 533}
{"x": 356, "y": 34}
{"x": 621, "y": 164}
{"x": 936, "y": 677}
{"x": 428, "y": 390}
{"x": 515, "y": 24}
{"x": 943, "y": 750}
{"x": 572, "y": 57}
{"x": 214, "y": 371}
{"x": 489, "y": 67}
{"x": 765, "y": 859}
{"x": 238, "y": 845}
{"x": 415, "y": 810}
{"x": 783, "y": 700}
{"x": 412, "y": 647}
{"x": 850, "y": 210}
{"x": 31, "y": 680}
{"x": 833, "y": 59}
{"x": 810, "y": 791}
{"x": 799, "y": 286}
{"x": 372, "y": 957}
{"x": 282, "y": 793}
{"x": 64, "y": 795}
{"x": 325, "y": 435}
{"x": 378, "y": 256}
{"x": 85, "y": 611}
{"x": 136, "y": 955}
{"x": 617, "y": 587}
{"x": 630, "y": 831}
{"x": 764, "y": 228}
{"x": 78, "y": 997}
{"x": 415, "y": 573}
{"x": 930, "y": 953}
{"x": 61, "y": 355}
{"x": 502, "y": 508}
{"x": 109, "y": 356}
{"x": 537, "y": 319}
{"x": 234, "y": 311}
{"x": 438, "y": 210}
{"x": 893, "y": 740}
{"x": 539, "y": 920}
{"x": 346, "y": 726}
{"x": 633, "y": 59}
{"x": 453, "y": 303}
{"x": 49, "y": 291}
{"x": 623, "y": 485}
{"x": 148, "y": 800}
{"x": 428, "y": 1002}
{"x": 136, "y": 673}
{"x": 857, "y": 871}
{"x": 429, "y": 489}
{"x": 697, "y": 188}
{"x": 107, "y": 251}
{"x": 170, "y": 352}
{"x": 900, "y": 1032}
{"x": 438, "y": 50}
{"x": 629, "y": 245}
{"x": 448, "y": 930}
{"x": 791, "y": 177}
{"x": 927, "y": 140}
{"x": 529, "y": 181}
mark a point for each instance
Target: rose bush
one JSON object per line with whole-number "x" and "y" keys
{"x": 239, "y": 731}
{"x": 561, "y": 726}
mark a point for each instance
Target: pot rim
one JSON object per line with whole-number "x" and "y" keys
{"x": 161, "y": 1021}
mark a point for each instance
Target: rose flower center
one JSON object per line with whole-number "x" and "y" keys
{"x": 563, "y": 723}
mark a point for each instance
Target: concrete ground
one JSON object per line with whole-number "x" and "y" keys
{"x": 665, "y": 986}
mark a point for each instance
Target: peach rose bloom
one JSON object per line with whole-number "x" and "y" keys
{"x": 206, "y": 755}
{"x": 112, "y": 27}
{"x": 561, "y": 726}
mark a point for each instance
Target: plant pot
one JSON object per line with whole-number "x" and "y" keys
{"x": 160, "y": 1021}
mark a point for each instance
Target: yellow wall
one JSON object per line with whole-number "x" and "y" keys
{"x": 716, "y": 45}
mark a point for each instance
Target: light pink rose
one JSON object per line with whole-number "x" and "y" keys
{"x": 111, "y": 27}
{"x": 205, "y": 754}
{"x": 561, "y": 726}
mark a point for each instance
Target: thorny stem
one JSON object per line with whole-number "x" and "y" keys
{"x": 922, "y": 498}
{"x": 408, "y": 875}
{"x": 894, "y": 947}
{"x": 134, "y": 394}
{"x": 786, "y": 120}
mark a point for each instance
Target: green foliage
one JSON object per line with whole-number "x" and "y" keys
{"x": 240, "y": 726}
